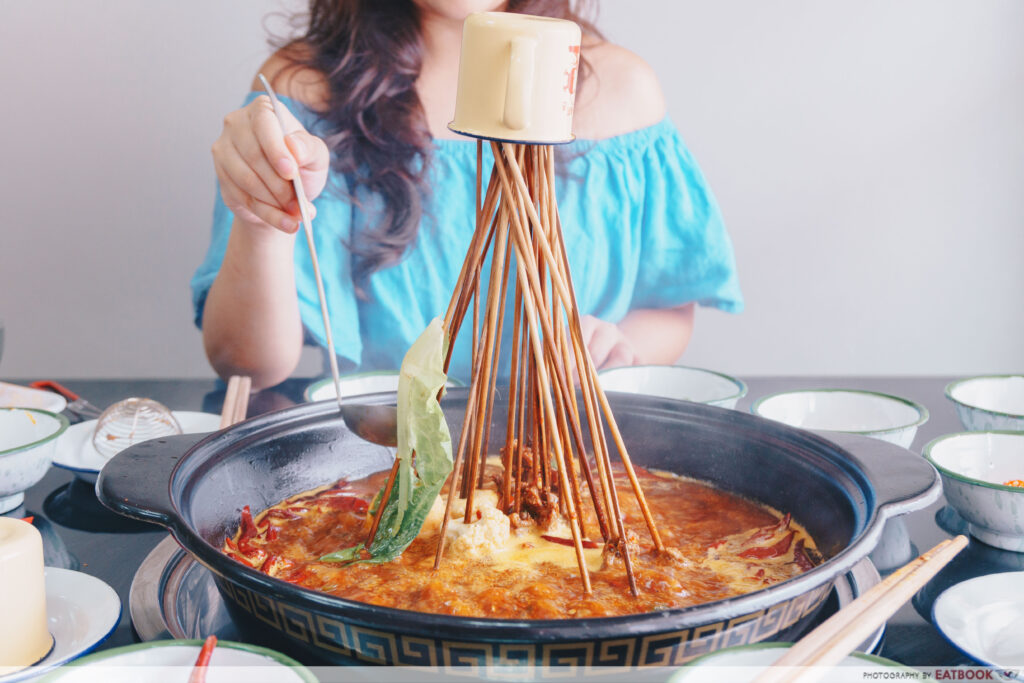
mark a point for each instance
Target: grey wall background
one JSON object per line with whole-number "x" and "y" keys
{"x": 868, "y": 156}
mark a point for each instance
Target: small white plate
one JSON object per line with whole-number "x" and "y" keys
{"x": 81, "y": 610}
{"x": 984, "y": 618}
{"x": 17, "y": 396}
{"x": 173, "y": 660}
{"x": 76, "y": 453}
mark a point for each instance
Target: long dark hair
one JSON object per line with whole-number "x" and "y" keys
{"x": 370, "y": 52}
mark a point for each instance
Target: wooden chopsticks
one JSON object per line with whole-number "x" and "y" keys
{"x": 840, "y": 634}
{"x": 236, "y": 401}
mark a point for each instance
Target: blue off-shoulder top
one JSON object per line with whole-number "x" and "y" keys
{"x": 641, "y": 228}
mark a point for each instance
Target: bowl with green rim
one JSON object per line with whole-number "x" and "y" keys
{"x": 358, "y": 384}
{"x": 853, "y": 411}
{"x": 747, "y": 662}
{"x": 989, "y": 402}
{"x": 975, "y": 468}
{"x": 678, "y": 382}
{"x": 28, "y": 438}
{"x": 173, "y": 660}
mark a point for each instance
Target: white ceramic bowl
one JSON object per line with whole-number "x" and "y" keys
{"x": 991, "y": 402}
{"x": 747, "y": 662}
{"x": 358, "y": 384}
{"x": 15, "y": 395}
{"x": 885, "y": 417}
{"x": 675, "y": 381}
{"x": 974, "y": 466}
{"x": 172, "y": 661}
{"x": 27, "y": 440}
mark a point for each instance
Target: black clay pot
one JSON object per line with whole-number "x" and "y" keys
{"x": 842, "y": 490}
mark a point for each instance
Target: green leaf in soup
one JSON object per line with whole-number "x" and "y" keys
{"x": 423, "y": 432}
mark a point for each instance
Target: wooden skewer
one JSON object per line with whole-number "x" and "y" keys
{"x": 242, "y": 404}
{"x": 392, "y": 476}
{"x": 524, "y": 389}
{"x": 236, "y": 400}
{"x": 495, "y": 368}
{"x": 510, "y": 421}
{"x": 477, "y": 250}
{"x": 227, "y": 411}
{"x": 837, "y": 637}
{"x": 483, "y": 376}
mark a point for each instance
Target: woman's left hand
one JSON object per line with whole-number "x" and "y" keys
{"x": 609, "y": 347}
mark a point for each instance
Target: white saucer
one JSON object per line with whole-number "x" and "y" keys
{"x": 81, "y": 610}
{"x": 984, "y": 618}
{"x": 17, "y": 396}
{"x": 75, "y": 452}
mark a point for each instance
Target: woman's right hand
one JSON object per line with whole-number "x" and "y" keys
{"x": 256, "y": 162}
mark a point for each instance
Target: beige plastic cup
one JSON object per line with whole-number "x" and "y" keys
{"x": 517, "y": 78}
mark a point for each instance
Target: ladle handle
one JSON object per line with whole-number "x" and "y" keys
{"x": 136, "y": 482}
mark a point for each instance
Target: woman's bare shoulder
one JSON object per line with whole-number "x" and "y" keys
{"x": 620, "y": 94}
{"x": 289, "y": 76}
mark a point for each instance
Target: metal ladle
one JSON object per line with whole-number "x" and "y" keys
{"x": 377, "y": 424}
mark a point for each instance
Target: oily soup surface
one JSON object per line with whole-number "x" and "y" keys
{"x": 719, "y": 546}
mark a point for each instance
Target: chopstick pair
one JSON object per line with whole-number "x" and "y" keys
{"x": 840, "y": 634}
{"x": 236, "y": 400}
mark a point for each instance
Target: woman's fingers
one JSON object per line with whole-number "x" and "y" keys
{"x": 588, "y": 325}
{"x": 265, "y": 151}
{"x": 621, "y": 354}
{"x": 314, "y": 159}
{"x": 245, "y": 174}
{"x": 256, "y": 163}
{"x": 268, "y": 133}
{"x": 250, "y": 187}
{"x": 293, "y": 150}
{"x": 607, "y": 345}
{"x": 600, "y": 346}
{"x": 247, "y": 207}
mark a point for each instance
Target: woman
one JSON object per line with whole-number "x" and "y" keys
{"x": 371, "y": 87}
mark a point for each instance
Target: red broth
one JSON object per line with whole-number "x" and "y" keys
{"x": 719, "y": 546}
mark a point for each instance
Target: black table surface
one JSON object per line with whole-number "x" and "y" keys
{"x": 115, "y": 555}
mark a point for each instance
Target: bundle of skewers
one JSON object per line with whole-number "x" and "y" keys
{"x": 555, "y": 401}
{"x": 517, "y": 81}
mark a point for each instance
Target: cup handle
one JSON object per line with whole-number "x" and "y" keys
{"x": 519, "y": 88}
